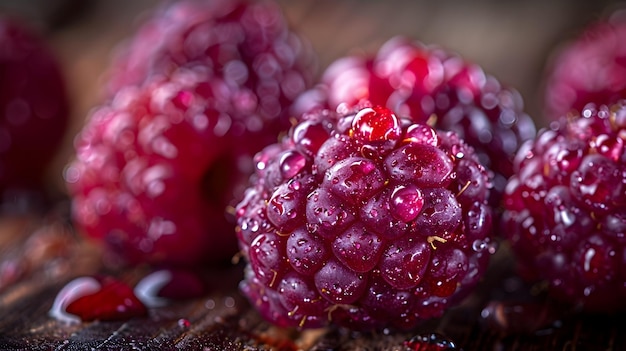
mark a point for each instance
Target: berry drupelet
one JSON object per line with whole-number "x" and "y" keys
{"x": 565, "y": 209}
{"x": 431, "y": 83}
{"x": 590, "y": 68}
{"x": 34, "y": 108}
{"x": 195, "y": 94}
{"x": 363, "y": 219}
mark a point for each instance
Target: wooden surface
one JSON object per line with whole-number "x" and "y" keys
{"x": 45, "y": 254}
{"x": 512, "y": 40}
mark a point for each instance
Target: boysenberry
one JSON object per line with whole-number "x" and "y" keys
{"x": 359, "y": 238}
{"x": 591, "y": 68}
{"x": 199, "y": 89}
{"x": 434, "y": 86}
{"x": 564, "y": 209}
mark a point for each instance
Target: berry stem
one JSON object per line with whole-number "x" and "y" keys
{"x": 431, "y": 240}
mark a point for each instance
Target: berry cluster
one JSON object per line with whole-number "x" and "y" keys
{"x": 431, "y": 83}
{"x": 197, "y": 92}
{"x": 566, "y": 207}
{"x": 375, "y": 207}
{"x": 363, "y": 219}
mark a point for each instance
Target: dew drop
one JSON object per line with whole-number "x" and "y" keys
{"x": 406, "y": 202}
{"x": 479, "y": 245}
{"x": 291, "y": 163}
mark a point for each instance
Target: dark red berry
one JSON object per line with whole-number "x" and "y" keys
{"x": 434, "y": 86}
{"x": 246, "y": 44}
{"x": 101, "y": 298}
{"x": 430, "y": 342}
{"x": 370, "y": 229}
{"x": 200, "y": 89}
{"x": 565, "y": 208}
{"x": 34, "y": 108}
{"x": 589, "y": 68}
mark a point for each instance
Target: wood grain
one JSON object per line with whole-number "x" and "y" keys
{"x": 223, "y": 319}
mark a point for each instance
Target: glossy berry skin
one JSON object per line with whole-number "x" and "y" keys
{"x": 565, "y": 209}
{"x": 34, "y": 108}
{"x": 589, "y": 68}
{"x": 199, "y": 90}
{"x": 365, "y": 220}
{"x": 436, "y": 86}
{"x": 156, "y": 168}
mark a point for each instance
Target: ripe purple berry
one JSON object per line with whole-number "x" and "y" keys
{"x": 372, "y": 227}
{"x": 565, "y": 208}
{"x": 431, "y": 85}
{"x": 200, "y": 88}
{"x": 589, "y": 68}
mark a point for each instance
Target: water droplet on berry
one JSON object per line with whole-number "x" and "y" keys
{"x": 406, "y": 202}
{"x": 479, "y": 245}
{"x": 291, "y": 163}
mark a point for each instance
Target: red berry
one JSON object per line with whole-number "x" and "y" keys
{"x": 565, "y": 208}
{"x": 158, "y": 166}
{"x": 97, "y": 298}
{"x": 364, "y": 239}
{"x": 247, "y": 44}
{"x": 591, "y": 68}
{"x": 434, "y": 86}
{"x": 34, "y": 107}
